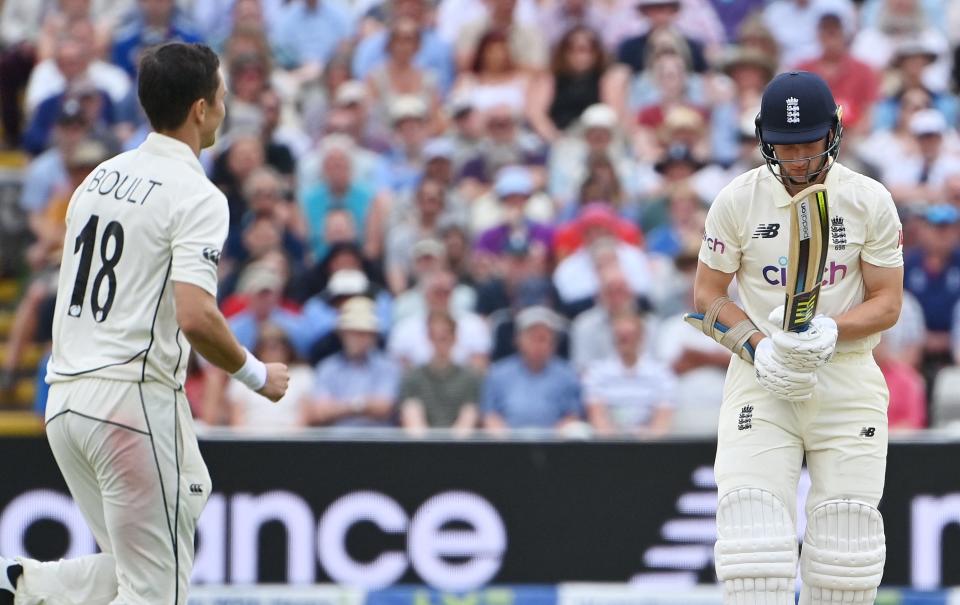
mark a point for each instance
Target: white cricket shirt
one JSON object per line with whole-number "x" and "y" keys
{"x": 748, "y": 232}
{"x": 139, "y": 221}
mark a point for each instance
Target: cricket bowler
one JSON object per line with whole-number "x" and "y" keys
{"x": 807, "y": 233}
{"x": 137, "y": 289}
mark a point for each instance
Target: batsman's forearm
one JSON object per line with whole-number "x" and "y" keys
{"x": 869, "y": 317}
{"x": 730, "y": 315}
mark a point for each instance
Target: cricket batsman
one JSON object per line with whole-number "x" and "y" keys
{"x": 816, "y": 249}
{"x": 137, "y": 288}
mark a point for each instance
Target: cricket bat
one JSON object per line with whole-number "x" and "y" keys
{"x": 809, "y": 239}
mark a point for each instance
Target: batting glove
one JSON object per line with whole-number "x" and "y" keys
{"x": 778, "y": 379}
{"x": 805, "y": 351}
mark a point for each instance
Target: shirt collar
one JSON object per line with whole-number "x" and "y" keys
{"x": 782, "y": 199}
{"x": 169, "y": 147}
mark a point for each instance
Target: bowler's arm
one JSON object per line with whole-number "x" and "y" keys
{"x": 709, "y": 285}
{"x": 880, "y": 309}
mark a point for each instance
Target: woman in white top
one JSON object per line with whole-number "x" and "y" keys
{"x": 250, "y": 410}
{"x": 493, "y": 80}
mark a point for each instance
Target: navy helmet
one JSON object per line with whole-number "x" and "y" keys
{"x": 798, "y": 107}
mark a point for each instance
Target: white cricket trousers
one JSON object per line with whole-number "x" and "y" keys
{"x": 842, "y": 431}
{"x": 129, "y": 455}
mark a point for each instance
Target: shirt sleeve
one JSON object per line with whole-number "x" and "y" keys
{"x": 883, "y": 245}
{"x": 667, "y": 386}
{"x": 199, "y": 231}
{"x": 491, "y": 394}
{"x": 472, "y": 390}
{"x": 572, "y": 400}
{"x": 720, "y": 248}
{"x": 386, "y": 380}
{"x": 321, "y": 384}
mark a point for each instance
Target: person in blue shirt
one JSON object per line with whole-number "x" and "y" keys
{"x": 308, "y": 32}
{"x": 532, "y": 388}
{"x": 154, "y": 22}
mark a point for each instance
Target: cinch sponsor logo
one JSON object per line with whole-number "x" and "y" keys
{"x": 714, "y": 244}
{"x": 776, "y": 275}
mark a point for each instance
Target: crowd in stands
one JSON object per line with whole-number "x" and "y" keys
{"x": 486, "y": 214}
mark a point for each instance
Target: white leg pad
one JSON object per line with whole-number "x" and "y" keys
{"x": 844, "y": 550}
{"x": 756, "y": 550}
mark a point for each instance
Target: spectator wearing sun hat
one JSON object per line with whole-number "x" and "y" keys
{"x": 919, "y": 176}
{"x": 357, "y": 386}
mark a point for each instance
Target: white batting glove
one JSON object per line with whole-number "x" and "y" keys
{"x": 805, "y": 351}
{"x": 780, "y": 380}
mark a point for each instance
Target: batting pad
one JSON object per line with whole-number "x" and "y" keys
{"x": 843, "y": 554}
{"x": 756, "y": 549}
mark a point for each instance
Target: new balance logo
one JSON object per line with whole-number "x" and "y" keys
{"x": 196, "y": 488}
{"x": 766, "y": 230}
{"x": 745, "y": 421}
{"x": 868, "y": 431}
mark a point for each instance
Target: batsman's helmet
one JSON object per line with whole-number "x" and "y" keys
{"x": 798, "y": 107}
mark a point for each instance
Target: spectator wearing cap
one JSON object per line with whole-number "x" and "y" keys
{"x": 152, "y": 23}
{"x": 591, "y": 335}
{"x": 93, "y": 103}
{"x": 400, "y": 76}
{"x": 525, "y": 44}
{"x": 357, "y": 386}
{"x": 440, "y": 393}
{"x": 262, "y": 286}
{"x": 410, "y": 130}
{"x": 932, "y": 274}
{"x": 319, "y": 314}
{"x": 308, "y": 33}
{"x": 513, "y": 188}
{"x": 409, "y": 343}
{"x": 433, "y": 54}
{"x": 629, "y": 392}
{"x": 576, "y": 277}
{"x": 579, "y": 78}
{"x": 919, "y": 176}
{"x": 909, "y": 65}
{"x": 661, "y": 15}
{"x": 338, "y": 189}
{"x": 597, "y": 134}
{"x": 532, "y": 388}
{"x": 504, "y": 143}
{"x": 855, "y": 84}
{"x": 430, "y": 258}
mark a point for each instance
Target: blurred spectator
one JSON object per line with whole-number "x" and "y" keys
{"x": 533, "y": 388}
{"x": 591, "y": 334}
{"x": 409, "y": 117}
{"x": 262, "y": 286}
{"x": 249, "y": 410}
{"x": 675, "y": 90}
{"x": 154, "y": 22}
{"x": 919, "y": 176}
{"x": 629, "y": 392}
{"x": 93, "y": 103}
{"x": 876, "y": 148}
{"x": 793, "y": 24}
{"x": 493, "y": 78}
{"x": 598, "y": 136}
{"x": 909, "y": 64}
{"x": 320, "y": 312}
{"x": 594, "y": 220}
{"x": 907, "y": 408}
{"x": 684, "y": 227}
{"x": 430, "y": 202}
{"x": 661, "y": 16}
{"x": 905, "y": 339}
{"x": 309, "y": 32}
{"x": 399, "y": 76}
{"x": 73, "y": 58}
{"x": 524, "y": 44}
{"x": 578, "y": 78}
{"x": 357, "y": 386}
{"x": 504, "y": 143}
{"x": 47, "y": 173}
{"x": 249, "y": 77}
{"x": 410, "y": 344}
{"x": 340, "y": 189}
{"x": 429, "y": 258}
{"x": 932, "y": 274}
{"x": 855, "y": 85}
{"x": 560, "y": 17}
{"x": 243, "y": 155}
{"x": 440, "y": 393}
{"x": 516, "y": 278}
{"x": 513, "y": 189}
{"x": 433, "y": 54}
